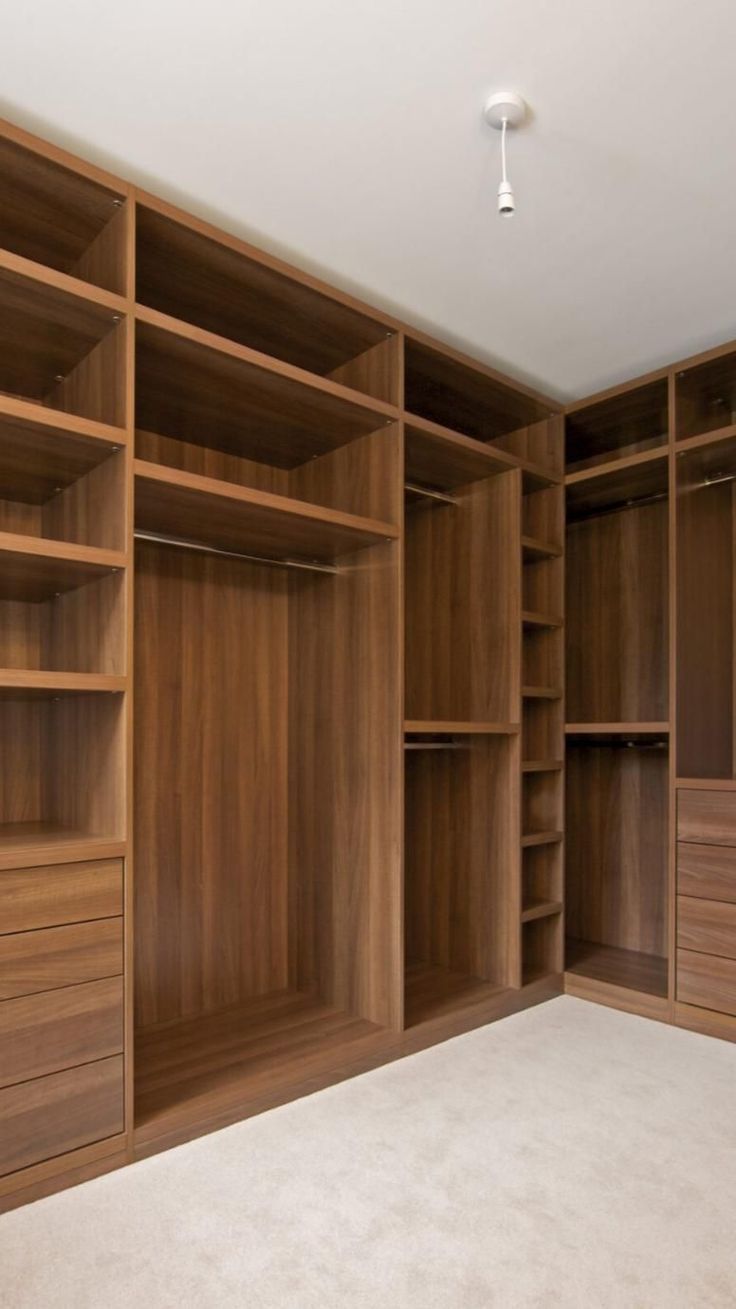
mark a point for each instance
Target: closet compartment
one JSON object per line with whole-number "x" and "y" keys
{"x": 617, "y": 850}
{"x": 62, "y": 768}
{"x": 542, "y": 882}
{"x": 706, "y": 611}
{"x": 69, "y": 220}
{"x": 62, "y": 610}
{"x": 224, "y": 287}
{"x": 461, "y": 853}
{"x": 541, "y": 807}
{"x": 617, "y": 425}
{"x": 541, "y": 946}
{"x": 705, "y": 396}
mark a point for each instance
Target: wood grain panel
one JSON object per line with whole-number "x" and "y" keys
{"x": 616, "y": 607}
{"x": 707, "y": 926}
{"x": 55, "y": 894}
{"x": 60, "y": 956}
{"x": 626, "y": 420}
{"x": 211, "y": 782}
{"x": 65, "y": 1111}
{"x": 442, "y": 387}
{"x": 375, "y": 371}
{"x": 707, "y": 871}
{"x": 707, "y": 981}
{"x": 465, "y": 561}
{"x": 41, "y": 1034}
{"x": 42, "y": 450}
{"x": 706, "y": 816}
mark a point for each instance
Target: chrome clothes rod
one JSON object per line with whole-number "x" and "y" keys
{"x": 429, "y": 494}
{"x": 158, "y": 538}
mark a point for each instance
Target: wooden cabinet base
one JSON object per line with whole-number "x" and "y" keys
{"x": 65, "y": 1111}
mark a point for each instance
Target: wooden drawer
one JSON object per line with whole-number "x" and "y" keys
{"x": 45, "y": 1033}
{"x": 708, "y": 871}
{"x": 60, "y": 956}
{"x": 47, "y": 1117}
{"x": 707, "y": 926}
{"x": 707, "y": 981}
{"x": 60, "y": 893}
{"x": 707, "y": 816}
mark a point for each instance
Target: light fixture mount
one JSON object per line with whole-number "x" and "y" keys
{"x": 505, "y": 105}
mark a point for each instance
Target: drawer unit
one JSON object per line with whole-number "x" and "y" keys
{"x": 706, "y": 980}
{"x": 707, "y": 926}
{"x": 707, "y": 816}
{"x": 51, "y": 1115}
{"x": 60, "y": 956}
{"x": 707, "y": 871}
{"x": 60, "y": 893}
{"x": 41, "y": 1034}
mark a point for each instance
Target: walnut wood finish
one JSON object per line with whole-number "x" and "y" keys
{"x": 706, "y": 816}
{"x": 620, "y": 422}
{"x": 708, "y": 871}
{"x": 62, "y": 1112}
{"x": 442, "y": 387}
{"x": 42, "y": 450}
{"x": 707, "y": 926}
{"x": 707, "y": 981}
{"x": 45, "y": 1033}
{"x": 32, "y": 898}
{"x": 60, "y": 956}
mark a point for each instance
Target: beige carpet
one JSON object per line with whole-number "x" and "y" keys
{"x": 567, "y": 1156}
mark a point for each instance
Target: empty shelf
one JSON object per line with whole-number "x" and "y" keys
{"x": 36, "y": 569}
{"x": 24, "y": 845}
{"x": 607, "y": 963}
{"x": 434, "y": 992}
{"x": 31, "y": 684}
{"x": 223, "y": 516}
{"x": 531, "y": 618}
{"x": 428, "y": 727}
{"x": 43, "y": 450}
{"x": 618, "y": 484}
{"x": 542, "y": 766}
{"x": 534, "y": 549}
{"x": 541, "y": 693}
{"x": 541, "y": 838}
{"x": 540, "y": 909}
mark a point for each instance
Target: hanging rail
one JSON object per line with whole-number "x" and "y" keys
{"x": 428, "y": 494}
{"x": 158, "y": 538}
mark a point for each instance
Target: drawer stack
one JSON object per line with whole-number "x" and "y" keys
{"x": 706, "y": 899}
{"x": 61, "y": 1009}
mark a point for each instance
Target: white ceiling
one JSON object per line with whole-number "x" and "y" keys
{"x": 347, "y": 135}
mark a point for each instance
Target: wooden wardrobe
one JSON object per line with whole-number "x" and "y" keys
{"x": 282, "y": 661}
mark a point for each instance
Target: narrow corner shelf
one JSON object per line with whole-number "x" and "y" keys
{"x": 37, "y": 568}
{"x": 541, "y": 838}
{"x": 535, "y": 549}
{"x": 430, "y": 727}
{"x": 540, "y": 909}
{"x": 439, "y": 457}
{"x": 532, "y": 618}
{"x": 637, "y": 729}
{"x": 542, "y": 766}
{"x": 541, "y": 693}
{"x": 611, "y": 965}
{"x": 236, "y": 519}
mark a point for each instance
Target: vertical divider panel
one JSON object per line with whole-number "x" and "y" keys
{"x": 672, "y": 701}
{"x": 128, "y": 216}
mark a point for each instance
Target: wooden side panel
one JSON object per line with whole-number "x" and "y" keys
{"x": 41, "y": 1034}
{"x": 616, "y": 828}
{"x": 104, "y": 260}
{"x": 346, "y": 785}
{"x": 91, "y": 510}
{"x": 33, "y": 898}
{"x": 60, "y": 956}
{"x": 616, "y": 607}
{"x": 461, "y": 852}
{"x": 375, "y": 372}
{"x": 463, "y": 605}
{"x": 191, "y": 458}
{"x": 540, "y": 443}
{"x": 52, "y": 1115}
{"x": 84, "y": 763}
{"x": 211, "y": 782}
{"x": 359, "y": 478}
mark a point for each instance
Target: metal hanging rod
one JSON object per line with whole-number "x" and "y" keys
{"x": 158, "y": 538}
{"x": 722, "y": 477}
{"x": 429, "y": 494}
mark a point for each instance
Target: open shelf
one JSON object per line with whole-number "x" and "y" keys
{"x": 534, "y": 549}
{"x": 541, "y": 946}
{"x": 637, "y": 729}
{"x": 43, "y": 451}
{"x": 530, "y": 618}
{"x": 534, "y": 909}
{"x": 55, "y": 338}
{"x": 442, "y": 459}
{"x": 30, "y": 684}
{"x": 633, "y": 969}
{"x": 542, "y": 766}
{"x": 28, "y": 844}
{"x": 35, "y": 570}
{"x": 223, "y": 287}
{"x": 205, "y": 511}
{"x": 541, "y": 838}
{"x": 201, "y": 1072}
{"x": 432, "y": 992}
{"x": 617, "y": 485}
{"x": 423, "y": 728}
{"x": 64, "y": 219}
{"x": 705, "y": 396}
{"x": 619, "y": 424}
{"x": 541, "y": 692}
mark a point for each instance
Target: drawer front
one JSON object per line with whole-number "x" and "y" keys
{"x": 60, "y": 956}
{"x": 41, "y": 1034}
{"x": 60, "y": 893}
{"x": 47, "y": 1117}
{"x": 707, "y": 926}
{"x": 708, "y": 816}
{"x": 708, "y": 871}
{"x": 707, "y": 981}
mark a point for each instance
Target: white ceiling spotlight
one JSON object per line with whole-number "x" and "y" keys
{"x": 503, "y": 110}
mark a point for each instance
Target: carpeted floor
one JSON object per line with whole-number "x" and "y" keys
{"x": 568, "y": 1156}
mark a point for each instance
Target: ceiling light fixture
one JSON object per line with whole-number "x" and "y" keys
{"x": 503, "y": 110}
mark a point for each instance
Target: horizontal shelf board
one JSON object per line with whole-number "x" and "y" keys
{"x": 17, "y": 684}
{"x": 43, "y": 450}
{"x": 540, "y": 909}
{"x": 702, "y": 440}
{"x": 432, "y": 992}
{"x": 23, "y": 845}
{"x": 617, "y": 484}
{"x": 542, "y": 766}
{"x": 201, "y": 388}
{"x": 541, "y": 693}
{"x": 541, "y": 838}
{"x": 224, "y": 516}
{"x": 618, "y": 419}
{"x": 443, "y": 459}
{"x": 530, "y": 618}
{"x": 534, "y": 548}
{"x": 236, "y": 1061}
{"x": 707, "y": 783}
{"x": 428, "y": 727}
{"x": 632, "y": 969}
{"x": 36, "y": 569}
{"x": 621, "y": 729}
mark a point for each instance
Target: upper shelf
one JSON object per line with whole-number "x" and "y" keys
{"x": 216, "y": 283}
{"x": 207, "y": 512}
{"x": 36, "y": 569}
{"x": 705, "y": 396}
{"x": 442, "y": 459}
{"x": 208, "y": 391}
{"x": 617, "y": 484}
{"x": 67, "y": 220}
{"x": 43, "y": 450}
{"x": 617, "y": 425}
